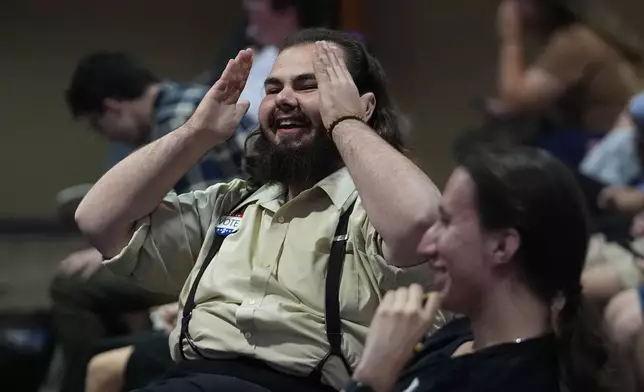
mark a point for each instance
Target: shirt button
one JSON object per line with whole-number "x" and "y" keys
{"x": 280, "y": 219}
{"x": 248, "y": 335}
{"x": 251, "y": 302}
{"x": 267, "y": 265}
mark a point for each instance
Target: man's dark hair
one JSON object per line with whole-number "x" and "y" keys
{"x": 103, "y": 75}
{"x": 312, "y": 13}
{"x": 532, "y": 192}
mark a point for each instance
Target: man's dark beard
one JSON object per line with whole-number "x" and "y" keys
{"x": 290, "y": 164}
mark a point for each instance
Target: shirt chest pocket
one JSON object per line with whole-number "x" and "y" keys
{"x": 303, "y": 268}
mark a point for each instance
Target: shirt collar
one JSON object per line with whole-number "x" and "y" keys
{"x": 338, "y": 186}
{"x": 264, "y": 195}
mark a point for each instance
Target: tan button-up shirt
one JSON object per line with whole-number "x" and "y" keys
{"x": 262, "y": 296}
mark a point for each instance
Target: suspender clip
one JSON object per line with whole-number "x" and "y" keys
{"x": 339, "y": 238}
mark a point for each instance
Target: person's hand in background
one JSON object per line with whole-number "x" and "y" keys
{"x": 509, "y": 23}
{"x": 83, "y": 263}
{"x": 621, "y": 198}
{"x": 165, "y": 317}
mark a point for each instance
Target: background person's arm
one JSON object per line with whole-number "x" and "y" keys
{"x": 562, "y": 63}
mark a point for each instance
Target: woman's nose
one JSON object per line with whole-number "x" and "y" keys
{"x": 427, "y": 244}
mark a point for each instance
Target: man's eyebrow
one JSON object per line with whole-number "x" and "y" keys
{"x": 272, "y": 81}
{"x": 303, "y": 77}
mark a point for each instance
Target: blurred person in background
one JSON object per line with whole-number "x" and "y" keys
{"x": 624, "y": 317}
{"x": 611, "y": 175}
{"x": 134, "y": 360}
{"x": 613, "y": 280}
{"x": 625, "y": 150}
{"x": 268, "y": 23}
{"x": 124, "y": 102}
{"x": 615, "y": 160}
{"x": 585, "y": 74}
{"x": 614, "y": 274}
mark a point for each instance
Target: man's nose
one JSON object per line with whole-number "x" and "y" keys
{"x": 286, "y": 99}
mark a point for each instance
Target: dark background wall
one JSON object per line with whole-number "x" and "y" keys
{"x": 42, "y": 149}
{"x": 439, "y": 56}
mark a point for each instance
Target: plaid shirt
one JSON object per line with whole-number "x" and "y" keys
{"x": 173, "y": 107}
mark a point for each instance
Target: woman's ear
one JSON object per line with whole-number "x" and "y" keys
{"x": 368, "y": 104}
{"x": 505, "y": 245}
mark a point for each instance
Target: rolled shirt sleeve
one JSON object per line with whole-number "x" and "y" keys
{"x": 369, "y": 245}
{"x": 166, "y": 244}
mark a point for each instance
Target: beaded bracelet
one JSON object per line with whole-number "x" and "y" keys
{"x": 339, "y": 120}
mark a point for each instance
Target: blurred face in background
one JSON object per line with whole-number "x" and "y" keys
{"x": 118, "y": 122}
{"x": 268, "y": 26}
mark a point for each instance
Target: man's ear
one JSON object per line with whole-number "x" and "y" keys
{"x": 112, "y": 104}
{"x": 505, "y": 245}
{"x": 368, "y": 104}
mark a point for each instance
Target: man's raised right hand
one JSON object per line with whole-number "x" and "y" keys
{"x": 219, "y": 113}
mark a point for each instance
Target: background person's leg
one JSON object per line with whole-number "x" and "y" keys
{"x": 149, "y": 362}
{"x": 86, "y": 311}
{"x": 105, "y": 372}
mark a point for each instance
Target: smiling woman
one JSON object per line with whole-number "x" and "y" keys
{"x": 507, "y": 253}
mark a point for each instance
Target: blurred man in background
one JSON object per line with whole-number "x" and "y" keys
{"x": 125, "y": 119}
{"x": 269, "y": 22}
{"x": 126, "y": 103}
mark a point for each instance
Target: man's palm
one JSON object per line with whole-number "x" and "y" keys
{"x": 219, "y": 111}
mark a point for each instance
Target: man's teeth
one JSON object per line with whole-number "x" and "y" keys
{"x": 288, "y": 124}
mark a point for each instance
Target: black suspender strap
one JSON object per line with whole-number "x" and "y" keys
{"x": 332, "y": 294}
{"x": 331, "y": 300}
{"x": 189, "y": 306}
